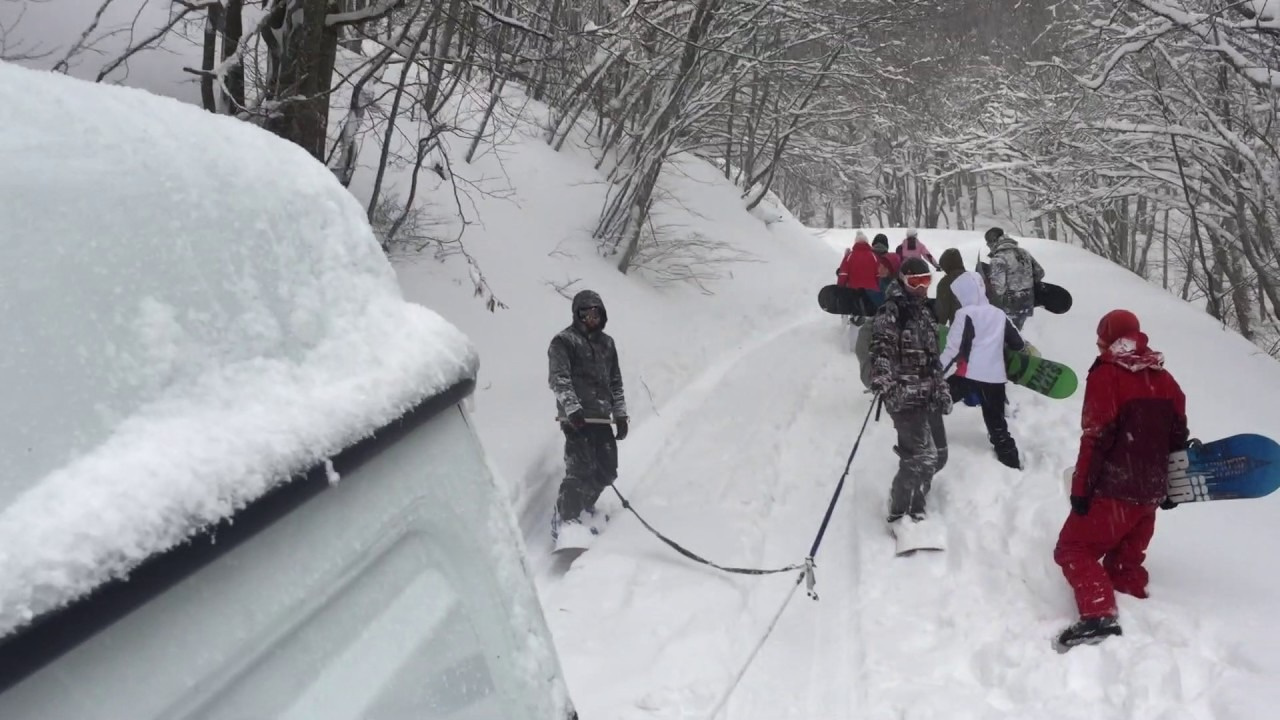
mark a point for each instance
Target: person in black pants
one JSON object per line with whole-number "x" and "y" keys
{"x": 975, "y": 347}
{"x": 587, "y": 383}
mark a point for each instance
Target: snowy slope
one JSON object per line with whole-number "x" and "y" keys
{"x": 742, "y": 467}
{"x": 535, "y": 209}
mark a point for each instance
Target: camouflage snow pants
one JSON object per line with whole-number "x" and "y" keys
{"x": 590, "y": 466}
{"x": 1020, "y": 307}
{"x": 862, "y": 351}
{"x": 922, "y": 452}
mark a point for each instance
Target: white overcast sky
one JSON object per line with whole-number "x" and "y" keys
{"x": 51, "y": 27}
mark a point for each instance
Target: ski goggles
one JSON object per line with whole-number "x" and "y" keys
{"x": 923, "y": 280}
{"x": 589, "y": 313}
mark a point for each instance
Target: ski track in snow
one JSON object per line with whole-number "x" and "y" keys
{"x": 740, "y": 469}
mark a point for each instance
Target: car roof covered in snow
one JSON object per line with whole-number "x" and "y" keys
{"x": 193, "y": 311}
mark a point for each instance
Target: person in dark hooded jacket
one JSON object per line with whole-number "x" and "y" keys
{"x": 946, "y": 304}
{"x": 587, "y": 383}
{"x": 1134, "y": 416}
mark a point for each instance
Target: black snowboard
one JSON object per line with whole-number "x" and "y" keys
{"x": 1054, "y": 298}
{"x": 839, "y": 300}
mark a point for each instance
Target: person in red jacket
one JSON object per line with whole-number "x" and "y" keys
{"x": 1134, "y": 416}
{"x": 859, "y": 269}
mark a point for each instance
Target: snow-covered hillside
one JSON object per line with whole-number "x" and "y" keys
{"x": 746, "y": 404}
{"x": 751, "y": 408}
{"x": 533, "y": 242}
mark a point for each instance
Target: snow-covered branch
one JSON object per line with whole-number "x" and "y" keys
{"x": 159, "y": 34}
{"x": 373, "y": 12}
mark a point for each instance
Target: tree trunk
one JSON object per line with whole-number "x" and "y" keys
{"x": 301, "y": 50}
{"x": 1164, "y": 280}
{"x": 233, "y": 31}
{"x": 208, "y": 56}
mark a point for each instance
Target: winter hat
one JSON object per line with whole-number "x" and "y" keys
{"x": 860, "y": 237}
{"x": 913, "y": 233}
{"x": 914, "y": 266}
{"x": 1115, "y": 325}
{"x": 951, "y": 262}
{"x": 881, "y": 241}
{"x": 992, "y": 235}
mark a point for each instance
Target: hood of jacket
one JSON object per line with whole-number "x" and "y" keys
{"x": 1132, "y": 353}
{"x": 951, "y": 262}
{"x": 588, "y": 299}
{"x": 969, "y": 289}
{"x": 1004, "y": 243}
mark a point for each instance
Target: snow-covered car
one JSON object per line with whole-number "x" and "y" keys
{"x": 238, "y": 478}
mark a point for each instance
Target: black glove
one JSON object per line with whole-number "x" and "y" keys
{"x": 1168, "y": 504}
{"x": 577, "y": 420}
{"x": 621, "y": 432}
{"x": 1080, "y": 504}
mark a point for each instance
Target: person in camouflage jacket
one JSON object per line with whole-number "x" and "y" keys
{"x": 907, "y": 376}
{"x": 587, "y": 383}
{"x": 1011, "y": 276}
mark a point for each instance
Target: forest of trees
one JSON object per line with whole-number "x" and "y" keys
{"x": 1142, "y": 130}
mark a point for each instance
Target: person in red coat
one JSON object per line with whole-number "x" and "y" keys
{"x": 1134, "y": 415}
{"x": 859, "y": 268}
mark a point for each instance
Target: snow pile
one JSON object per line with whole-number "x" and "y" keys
{"x": 741, "y": 466}
{"x": 194, "y": 311}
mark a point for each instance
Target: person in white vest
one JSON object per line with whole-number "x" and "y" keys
{"x": 975, "y": 348}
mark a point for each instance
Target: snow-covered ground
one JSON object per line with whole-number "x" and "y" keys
{"x": 745, "y": 405}
{"x": 743, "y": 472}
{"x": 533, "y": 242}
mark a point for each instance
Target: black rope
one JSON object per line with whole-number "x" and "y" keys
{"x": 808, "y": 565}
{"x": 676, "y": 546}
{"x": 813, "y": 551}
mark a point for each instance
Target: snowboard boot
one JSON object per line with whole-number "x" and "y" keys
{"x": 1088, "y": 631}
{"x": 1007, "y": 452}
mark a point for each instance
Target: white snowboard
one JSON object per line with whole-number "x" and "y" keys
{"x": 574, "y": 536}
{"x": 578, "y": 536}
{"x": 913, "y": 536}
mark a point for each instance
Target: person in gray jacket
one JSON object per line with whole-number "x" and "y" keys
{"x": 587, "y": 383}
{"x": 1011, "y": 276}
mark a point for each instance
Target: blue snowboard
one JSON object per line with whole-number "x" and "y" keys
{"x": 1240, "y": 466}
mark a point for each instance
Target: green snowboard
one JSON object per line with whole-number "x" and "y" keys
{"x": 1049, "y": 378}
